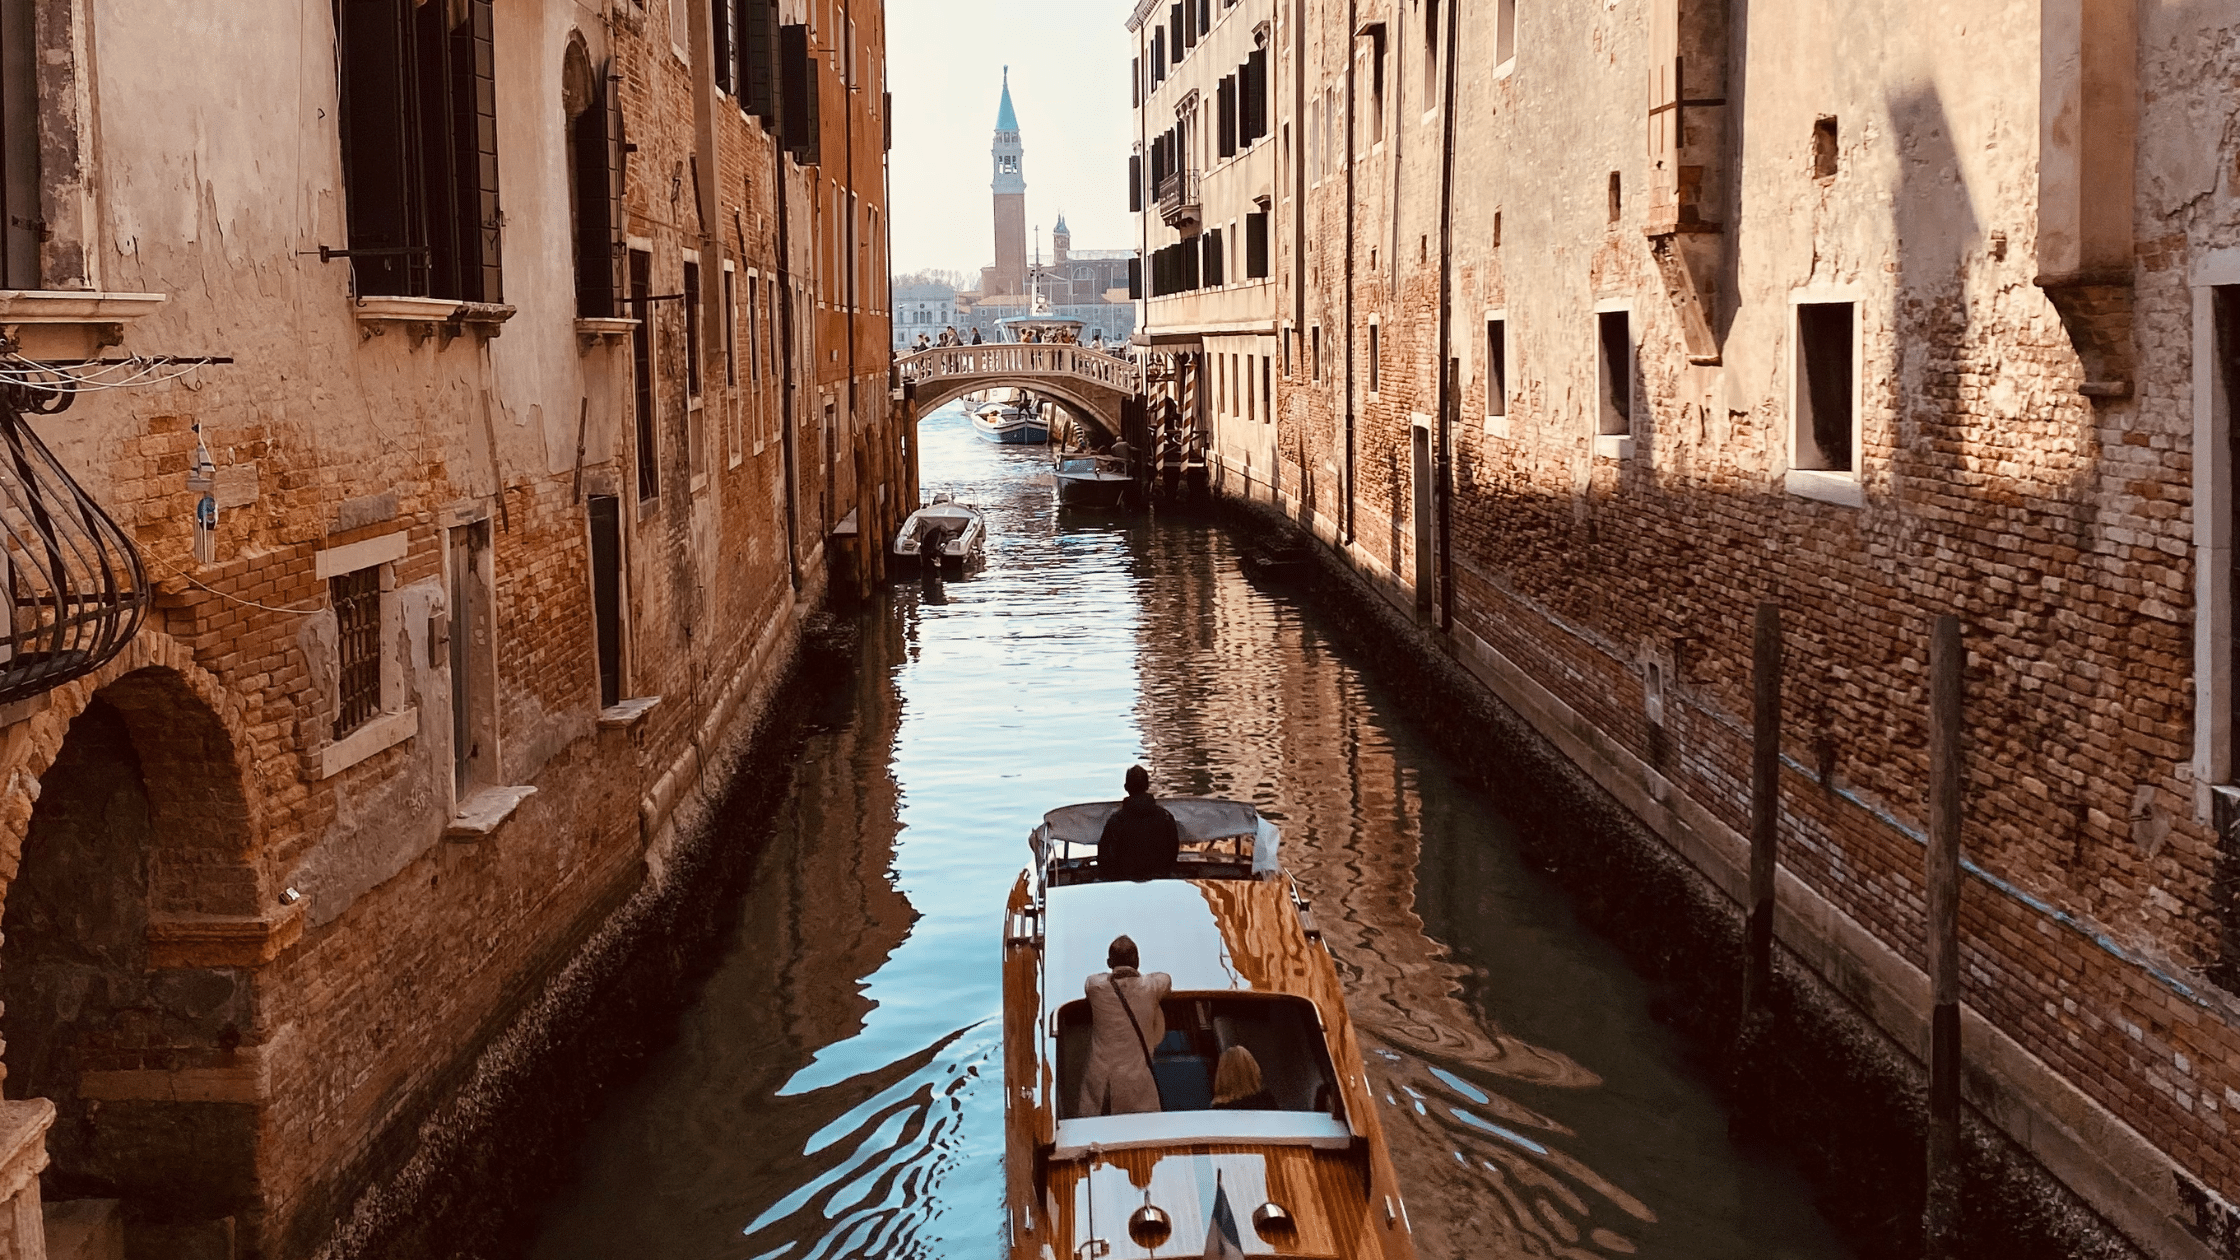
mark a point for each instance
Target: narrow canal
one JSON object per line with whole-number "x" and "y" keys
{"x": 836, "y": 1090}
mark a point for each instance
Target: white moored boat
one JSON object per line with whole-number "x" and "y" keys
{"x": 945, "y": 532}
{"x": 1092, "y": 480}
{"x": 1304, "y": 1172}
{"x": 1010, "y": 425}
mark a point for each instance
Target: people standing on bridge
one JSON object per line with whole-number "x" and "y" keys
{"x": 976, "y": 334}
{"x": 1141, "y": 839}
{"x": 1125, "y": 1022}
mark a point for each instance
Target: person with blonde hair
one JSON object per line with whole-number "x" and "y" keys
{"x": 1236, "y": 1083}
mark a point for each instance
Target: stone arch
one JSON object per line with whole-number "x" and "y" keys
{"x": 129, "y": 838}
{"x": 1099, "y": 405}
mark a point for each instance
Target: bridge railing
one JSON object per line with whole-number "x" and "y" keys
{"x": 1023, "y": 361}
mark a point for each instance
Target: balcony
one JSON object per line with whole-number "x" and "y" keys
{"x": 1178, "y": 201}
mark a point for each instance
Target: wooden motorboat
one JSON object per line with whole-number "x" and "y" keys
{"x": 944, "y": 533}
{"x": 1092, "y": 480}
{"x": 1011, "y": 425}
{"x": 1308, "y": 1176}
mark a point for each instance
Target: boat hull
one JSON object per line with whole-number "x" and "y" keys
{"x": 1022, "y": 431}
{"x": 1091, "y": 492}
{"x": 1072, "y": 1184}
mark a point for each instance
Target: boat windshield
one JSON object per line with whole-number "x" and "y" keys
{"x": 1220, "y": 840}
{"x": 1282, "y": 1032}
{"x": 1077, "y": 465}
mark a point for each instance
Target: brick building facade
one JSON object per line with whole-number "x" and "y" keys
{"x": 525, "y": 487}
{"x": 1878, "y": 314}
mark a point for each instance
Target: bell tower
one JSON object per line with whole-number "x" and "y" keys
{"x": 1011, "y": 198}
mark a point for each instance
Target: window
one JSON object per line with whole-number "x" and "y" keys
{"x": 20, "y": 213}
{"x": 1497, "y": 367}
{"x": 1256, "y": 245}
{"x": 730, "y": 325}
{"x": 1135, "y": 83}
{"x": 1504, "y": 32}
{"x": 1213, "y": 263}
{"x": 1617, "y": 197}
{"x": 1267, "y": 391}
{"x": 754, "y": 312}
{"x": 1290, "y": 336}
{"x": 1824, "y": 148}
{"x": 1376, "y": 84}
{"x": 1615, "y": 363}
{"x": 1226, "y": 132}
{"x": 1373, "y": 364}
{"x": 357, "y": 616}
{"x": 1826, "y": 387}
{"x": 1314, "y": 350}
{"x": 1497, "y": 229}
{"x": 595, "y": 157}
{"x": 605, "y": 519}
{"x": 1135, "y": 183}
{"x": 1430, "y": 55}
{"x": 419, "y": 131}
{"x": 691, "y": 328}
{"x": 641, "y": 368}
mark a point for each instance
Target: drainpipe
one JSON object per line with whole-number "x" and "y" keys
{"x": 1352, "y": 38}
{"x": 785, "y": 336}
{"x": 1448, "y": 385}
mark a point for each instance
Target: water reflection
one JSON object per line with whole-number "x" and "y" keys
{"x": 837, "y": 1091}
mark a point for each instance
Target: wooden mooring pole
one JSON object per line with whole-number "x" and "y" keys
{"x": 1940, "y": 1217}
{"x": 1765, "y": 805}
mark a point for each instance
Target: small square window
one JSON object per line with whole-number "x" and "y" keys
{"x": 1824, "y": 148}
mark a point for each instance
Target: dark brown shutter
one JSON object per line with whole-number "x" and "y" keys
{"x": 1135, "y": 183}
{"x": 1227, "y": 129}
{"x": 726, "y": 49}
{"x": 758, "y": 61}
{"x": 597, "y": 186}
{"x": 475, "y": 143}
{"x": 799, "y": 84}
{"x": 380, "y": 179}
{"x": 1255, "y": 104}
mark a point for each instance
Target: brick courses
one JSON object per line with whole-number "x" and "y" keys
{"x": 2059, "y": 526}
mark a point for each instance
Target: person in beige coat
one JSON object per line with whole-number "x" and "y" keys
{"x": 1125, "y": 1025}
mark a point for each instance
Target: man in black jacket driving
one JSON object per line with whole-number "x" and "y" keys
{"x": 1141, "y": 839}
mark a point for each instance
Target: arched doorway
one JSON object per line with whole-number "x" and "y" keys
{"x": 157, "y": 1114}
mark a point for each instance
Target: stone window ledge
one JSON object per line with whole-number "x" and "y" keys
{"x": 593, "y": 330}
{"x": 422, "y": 317}
{"x": 378, "y": 735}
{"x": 626, "y": 713}
{"x": 1840, "y": 488}
{"x": 485, "y": 811}
{"x": 70, "y": 323}
{"x": 1613, "y": 446}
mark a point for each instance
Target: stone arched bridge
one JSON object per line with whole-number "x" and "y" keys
{"x": 1096, "y": 384}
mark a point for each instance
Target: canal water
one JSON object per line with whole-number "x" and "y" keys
{"x": 836, "y": 1090}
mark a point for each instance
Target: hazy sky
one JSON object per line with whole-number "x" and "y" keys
{"x": 1069, "y": 82}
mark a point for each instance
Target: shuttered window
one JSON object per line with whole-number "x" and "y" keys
{"x": 419, "y": 128}
{"x": 21, "y": 217}
{"x": 1227, "y": 96}
{"x": 596, "y": 152}
{"x": 757, "y": 43}
{"x": 798, "y": 76}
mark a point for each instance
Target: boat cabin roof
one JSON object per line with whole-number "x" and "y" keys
{"x": 947, "y": 510}
{"x": 1074, "y": 830}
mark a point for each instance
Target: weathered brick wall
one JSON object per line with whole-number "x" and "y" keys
{"x": 370, "y": 996}
{"x": 2060, "y": 529}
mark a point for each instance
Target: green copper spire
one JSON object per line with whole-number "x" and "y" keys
{"x": 1005, "y": 119}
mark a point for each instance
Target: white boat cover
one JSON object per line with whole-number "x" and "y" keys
{"x": 1070, "y": 828}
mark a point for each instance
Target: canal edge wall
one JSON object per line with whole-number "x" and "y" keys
{"x": 484, "y": 1160}
{"x": 2051, "y": 1172}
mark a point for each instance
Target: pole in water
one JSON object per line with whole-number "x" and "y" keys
{"x": 1940, "y": 1217}
{"x": 1765, "y": 805}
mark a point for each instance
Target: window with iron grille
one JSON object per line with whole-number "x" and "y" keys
{"x": 357, "y": 616}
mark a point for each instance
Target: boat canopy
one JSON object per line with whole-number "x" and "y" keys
{"x": 1215, "y": 832}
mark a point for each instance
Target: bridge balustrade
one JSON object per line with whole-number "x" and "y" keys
{"x": 1024, "y": 362}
